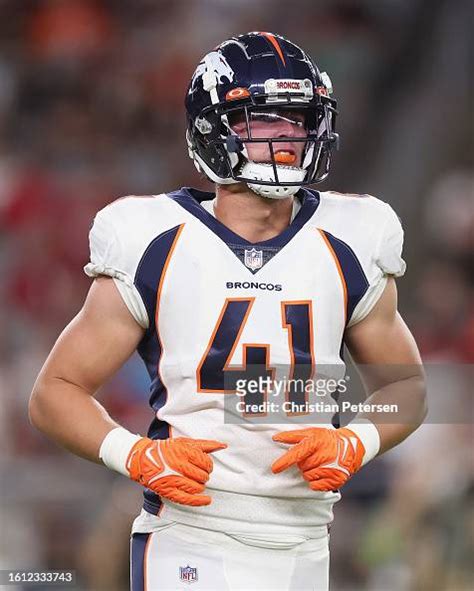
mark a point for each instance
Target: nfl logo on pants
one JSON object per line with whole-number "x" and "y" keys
{"x": 188, "y": 574}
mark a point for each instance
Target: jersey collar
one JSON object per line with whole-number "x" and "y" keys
{"x": 191, "y": 199}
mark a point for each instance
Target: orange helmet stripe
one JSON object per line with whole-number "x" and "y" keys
{"x": 276, "y": 45}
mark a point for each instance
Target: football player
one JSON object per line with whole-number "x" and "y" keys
{"x": 264, "y": 273}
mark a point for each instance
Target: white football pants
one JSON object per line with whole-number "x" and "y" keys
{"x": 179, "y": 557}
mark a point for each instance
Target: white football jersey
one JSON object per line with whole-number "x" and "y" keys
{"x": 214, "y": 304}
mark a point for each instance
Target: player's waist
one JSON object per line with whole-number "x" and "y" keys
{"x": 243, "y": 513}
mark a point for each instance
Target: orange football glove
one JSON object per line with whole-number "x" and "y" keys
{"x": 174, "y": 468}
{"x": 326, "y": 457}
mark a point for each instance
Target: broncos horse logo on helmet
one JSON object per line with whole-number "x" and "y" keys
{"x": 259, "y": 74}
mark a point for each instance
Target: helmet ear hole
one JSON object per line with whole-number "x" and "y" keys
{"x": 233, "y": 144}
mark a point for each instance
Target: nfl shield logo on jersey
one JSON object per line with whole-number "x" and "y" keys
{"x": 188, "y": 574}
{"x": 253, "y": 259}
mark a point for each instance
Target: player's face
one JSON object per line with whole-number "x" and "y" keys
{"x": 275, "y": 123}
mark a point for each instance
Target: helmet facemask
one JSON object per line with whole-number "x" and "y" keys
{"x": 274, "y": 165}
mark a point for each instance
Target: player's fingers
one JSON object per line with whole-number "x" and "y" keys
{"x": 292, "y": 456}
{"x": 327, "y": 479}
{"x": 208, "y": 445}
{"x": 315, "y": 459}
{"x": 194, "y": 472}
{"x": 184, "y": 498}
{"x": 337, "y": 474}
{"x": 183, "y": 491}
{"x": 177, "y": 455}
{"x": 318, "y": 474}
{"x": 312, "y": 474}
{"x": 190, "y": 486}
{"x": 197, "y": 458}
{"x": 167, "y": 484}
{"x": 322, "y": 486}
{"x": 292, "y": 436}
{"x": 281, "y": 464}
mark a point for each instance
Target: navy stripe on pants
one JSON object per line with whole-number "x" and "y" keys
{"x": 137, "y": 558}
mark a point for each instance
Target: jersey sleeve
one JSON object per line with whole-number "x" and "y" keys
{"x": 386, "y": 262}
{"x": 109, "y": 256}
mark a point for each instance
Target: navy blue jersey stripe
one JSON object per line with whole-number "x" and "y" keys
{"x": 152, "y": 502}
{"x": 354, "y": 276}
{"x": 137, "y": 561}
{"x": 148, "y": 280}
{"x": 150, "y": 270}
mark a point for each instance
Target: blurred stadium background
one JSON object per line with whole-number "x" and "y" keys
{"x": 91, "y": 108}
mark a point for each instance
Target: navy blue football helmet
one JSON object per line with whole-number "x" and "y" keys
{"x": 260, "y": 76}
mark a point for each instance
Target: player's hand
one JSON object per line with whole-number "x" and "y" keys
{"x": 327, "y": 458}
{"x": 176, "y": 469}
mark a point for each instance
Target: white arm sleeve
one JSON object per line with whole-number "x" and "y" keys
{"x": 107, "y": 258}
{"x": 387, "y": 262}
